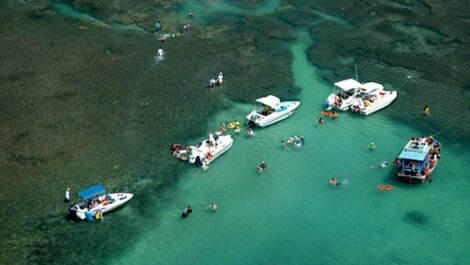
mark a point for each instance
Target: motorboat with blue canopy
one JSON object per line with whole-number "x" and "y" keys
{"x": 418, "y": 159}
{"x": 96, "y": 199}
{"x": 272, "y": 110}
{"x": 92, "y": 191}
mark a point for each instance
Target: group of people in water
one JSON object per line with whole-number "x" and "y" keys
{"x": 188, "y": 210}
{"x": 294, "y": 140}
{"x": 219, "y": 81}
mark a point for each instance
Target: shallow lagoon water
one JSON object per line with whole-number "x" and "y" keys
{"x": 291, "y": 215}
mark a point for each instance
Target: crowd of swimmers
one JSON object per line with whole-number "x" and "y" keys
{"x": 294, "y": 140}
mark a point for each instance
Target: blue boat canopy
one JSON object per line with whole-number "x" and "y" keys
{"x": 92, "y": 191}
{"x": 415, "y": 151}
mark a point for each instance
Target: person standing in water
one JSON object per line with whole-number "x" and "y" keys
{"x": 212, "y": 83}
{"x": 67, "y": 195}
{"x": 426, "y": 110}
{"x": 160, "y": 53}
{"x": 220, "y": 79}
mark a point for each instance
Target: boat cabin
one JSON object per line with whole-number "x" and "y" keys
{"x": 347, "y": 88}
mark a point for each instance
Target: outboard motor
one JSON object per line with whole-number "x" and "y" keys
{"x": 73, "y": 212}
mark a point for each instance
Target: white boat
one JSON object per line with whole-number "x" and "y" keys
{"x": 96, "y": 199}
{"x": 272, "y": 110}
{"x": 371, "y": 98}
{"x": 209, "y": 149}
{"x": 343, "y": 96}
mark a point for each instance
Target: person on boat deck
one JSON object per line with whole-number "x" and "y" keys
{"x": 426, "y": 110}
{"x": 212, "y": 83}
{"x": 220, "y": 79}
{"x": 67, "y": 195}
{"x": 334, "y": 181}
{"x": 320, "y": 121}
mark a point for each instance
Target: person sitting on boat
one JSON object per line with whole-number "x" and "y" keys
{"x": 338, "y": 101}
{"x": 334, "y": 181}
{"x": 263, "y": 166}
{"x": 213, "y": 207}
{"x": 186, "y": 211}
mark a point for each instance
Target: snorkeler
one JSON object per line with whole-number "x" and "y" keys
{"x": 334, "y": 181}
{"x": 212, "y": 207}
{"x": 263, "y": 166}
{"x": 186, "y": 211}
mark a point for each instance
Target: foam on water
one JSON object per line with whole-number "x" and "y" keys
{"x": 291, "y": 215}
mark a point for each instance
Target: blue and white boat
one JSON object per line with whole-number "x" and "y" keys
{"x": 418, "y": 159}
{"x": 272, "y": 110}
{"x": 95, "y": 198}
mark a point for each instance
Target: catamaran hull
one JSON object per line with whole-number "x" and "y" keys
{"x": 391, "y": 97}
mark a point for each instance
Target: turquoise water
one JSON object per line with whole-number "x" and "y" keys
{"x": 291, "y": 215}
{"x": 118, "y": 132}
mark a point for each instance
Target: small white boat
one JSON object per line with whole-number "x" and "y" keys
{"x": 371, "y": 98}
{"x": 96, "y": 199}
{"x": 272, "y": 110}
{"x": 343, "y": 96}
{"x": 209, "y": 149}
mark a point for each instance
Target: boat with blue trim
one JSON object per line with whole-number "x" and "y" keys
{"x": 272, "y": 110}
{"x": 96, "y": 199}
{"x": 418, "y": 159}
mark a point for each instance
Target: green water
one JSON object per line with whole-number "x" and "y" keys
{"x": 87, "y": 104}
{"x": 291, "y": 215}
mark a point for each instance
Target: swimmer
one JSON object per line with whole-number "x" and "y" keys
{"x": 382, "y": 164}
{"x": 212, "y": 207}
{"x": 372, "y": 146}
{"x": 334, "y": 181}
{"x": 250, "y": 132}
{"x": 320, "y": 121}
{"x": 262, "y": 167}
{"x": 186, "y": 211}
